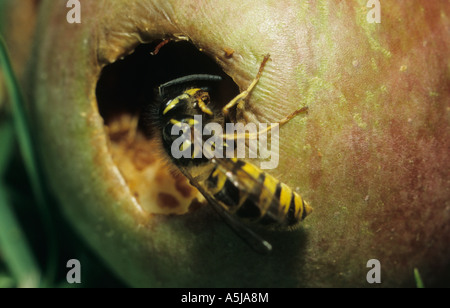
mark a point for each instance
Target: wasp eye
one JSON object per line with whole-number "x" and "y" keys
{"x": 205, "y": 99}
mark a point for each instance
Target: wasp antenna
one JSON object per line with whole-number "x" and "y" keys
{"x": 186, "y": 81}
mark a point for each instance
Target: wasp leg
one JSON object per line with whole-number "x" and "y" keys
{"x": 204, "y": 108}
{"x": 241, "y": 96}
{"x": 281, "y": 122}
{"x": 268, "y": 129}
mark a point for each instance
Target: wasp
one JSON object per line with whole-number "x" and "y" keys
{"x": 239, "y": 191}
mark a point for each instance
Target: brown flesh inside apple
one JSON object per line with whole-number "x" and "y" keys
{"x": 125, "y": 90}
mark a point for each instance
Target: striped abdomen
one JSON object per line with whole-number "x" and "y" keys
{"x": 254, "y": 195}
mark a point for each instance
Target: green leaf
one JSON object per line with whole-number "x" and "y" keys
{"x": 14, "y": 246}
{"x": 20, "y": 122}
{"x": 6, "y": 145}
{"x": 419, "y": 282}
{"x": 25, "y": 141}
{"x": 6, "y": 281}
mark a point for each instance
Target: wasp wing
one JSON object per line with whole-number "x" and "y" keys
{"x": 255, "y": 185}
{"x": 254, "y": 240}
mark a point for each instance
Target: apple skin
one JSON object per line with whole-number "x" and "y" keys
{"x": 371, "y": 156}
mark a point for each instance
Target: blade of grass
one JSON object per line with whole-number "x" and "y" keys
{"x": 6, "y": 281}
{"x": 20, "y": 121}
{"x": 6, "y": 145}
{"x": 13, "y": 244}
{"x": 419, "y": 282}
{"x": 15, "y": 249}
{"x": 2, "y": 96}
{"x": 29, "y": 157}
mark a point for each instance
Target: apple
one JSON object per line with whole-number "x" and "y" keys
{"x": 371, "y": 156}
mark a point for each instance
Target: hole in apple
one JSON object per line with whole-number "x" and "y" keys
{"x": 124, "y": 90}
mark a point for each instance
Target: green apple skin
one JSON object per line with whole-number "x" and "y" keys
{"x": 371, "y": 156}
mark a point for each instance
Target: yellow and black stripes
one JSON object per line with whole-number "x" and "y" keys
{"x": 179, "y": 112}
{"x": 256, "y": 196}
